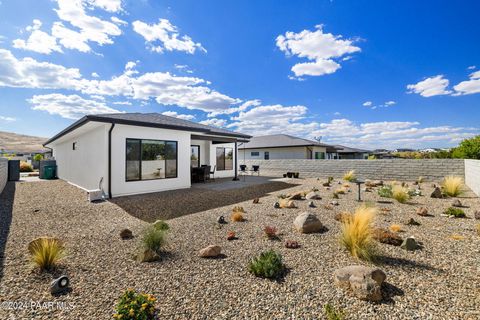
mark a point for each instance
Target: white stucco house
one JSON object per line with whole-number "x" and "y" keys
{"x": 135, "y": 153}
{"x": 283, "y": 146}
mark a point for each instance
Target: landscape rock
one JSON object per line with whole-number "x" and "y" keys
{"x": 456, "y": 203}
{"x": 313, "y": 196}
{"x": 422, "y": 211}
{"x": 221, "y": 220}
{"x": 437, "y": 193}
{"x": 412, "y": 222}
{"x": 276, "y": 205}
{"x": 126, "y": 234}
{"x": 364, "y": 282}
{"x": 148, "y": 255}
{"x": 311, "y": 204}
{"x": 307, "y": 222}
{"x": 334, "y": 203}
{"x": 409, "y": 244}
{"x": 296, "y": 196}
{"x": 387, "y": 237}
{"x": 374, "y": 183}
{"x": 256, "y": 200}
{"x": 477, "y": 214}
{"x": 211, "y": 251}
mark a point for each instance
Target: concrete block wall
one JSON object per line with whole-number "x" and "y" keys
{"x": 3, "y": 173}
{"x": 472, "y": 175}
{"x": 388, "y": 169}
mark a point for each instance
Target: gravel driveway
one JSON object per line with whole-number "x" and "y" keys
{"x": 439, "y": 282}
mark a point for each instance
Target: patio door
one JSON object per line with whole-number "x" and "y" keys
{"x": 195, "y": 156}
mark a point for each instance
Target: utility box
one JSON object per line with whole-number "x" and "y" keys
{"x": 48, "y": 163}
{"x": 13, "y": 170}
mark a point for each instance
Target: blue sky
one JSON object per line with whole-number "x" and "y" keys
{"x": 364, "y": 73}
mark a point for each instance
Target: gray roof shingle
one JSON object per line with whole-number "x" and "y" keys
{"x": 280, "y": 140}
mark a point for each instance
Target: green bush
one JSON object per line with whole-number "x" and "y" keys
{"x": 468, "y": 149}
{"x": 332, "y": 313}
{"x": 385, "y": 191}
{"x": 135, "y": 306}
{"x": 161, "y": 225}
{"x": 456, "y": 212}
{"x": 268, "y": 265}
{"x": 38, "y": 157}
{"x": 153, "y": 239}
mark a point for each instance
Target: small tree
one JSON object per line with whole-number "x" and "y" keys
{"x": 468, "y": 149}
{"x": 38, "y": 157}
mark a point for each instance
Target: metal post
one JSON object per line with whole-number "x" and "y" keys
{"x": 236, "y": 163}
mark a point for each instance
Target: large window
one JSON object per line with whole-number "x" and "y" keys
{"x": 150, "y": 159}
{"x": 195, "y": 156}
{"x": 319, "y": 155}
{"x": 224, "y": 159}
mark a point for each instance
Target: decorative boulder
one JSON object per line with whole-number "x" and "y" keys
{"x": 387, "y": 237}
{"x": 409, "y": 244}
{"x": 221, "y": 220}
{"x": 313, "y": 196}
{"x": 412, "y": 222}
{"x": 334, "y": 203}
{"x": 211, "y": 251}
{"x": 307, "y": 222}
{"x": 276, "y": 205}
{"x": 373, "y": 184}
{"x": 256, "y": 200}
{"x": 422, "y": 211}
{"x": 311, "y": 204}
{"x": 291, "y": 244}
{"x": 364, "y": 282}
{"x": 126, "y": 234}
{"x": 437, "y": 193}
{"x": 456, "y": 203}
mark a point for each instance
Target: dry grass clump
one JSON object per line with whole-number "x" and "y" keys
{"x": 452, "y": 186}
{"x": 349, "y": 176}
{"x": 237, "y": 216}
{"x": 457, "y": 237}
{"x": 400, "y": 194}
{"x": 238, "y": 209}
{"x": 46, "y": 252}
{"x": 357, "y": 233}
{"x": 396, "y": 228}
{"x": 287, "y": 203}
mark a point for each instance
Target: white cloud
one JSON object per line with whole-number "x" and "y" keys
{"x": 7, "y": 119}
{"x": 122, "y": 103}
{"x": 244, "y": 106}
{"x": 95, "y": 75}
{"x": 183, "y": 67}
{"x": 118, "y": 21}
{"x": 432, "y": 86}
{"x": 38, "y": 41}
{"x": 390, "y": 103}
{"x": 367, "y": 104}
{"x": 323, "y": 50}
{"x": 68, "y": 106}
{"x": 164, "y": 36}
{"x": 471, "y": 67}
{"x": 107, "y": 5}
{"x": 179, "y": 116}
{"x": 470, "y": 86}
{"x": 215, "y": 122}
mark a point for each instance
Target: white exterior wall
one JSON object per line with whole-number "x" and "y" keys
{"x": 213, "y": 160}
{"x": 279, "y": 153}
{"x": 85, "y": 166}
{"x": 121, "y": 187}
{"x": 472, "y": 175}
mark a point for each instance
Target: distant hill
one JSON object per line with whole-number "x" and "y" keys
{"x": 20, "y": 143}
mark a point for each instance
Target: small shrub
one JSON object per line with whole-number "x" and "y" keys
{"x": 396, "y": 228}
{"x": 231, "y": 235}
{"x": 385, "y": 191}
{"x": 452, "y": 186}
{"x": 268, "y": 265}
{"x": 357, "y": 234}
{"x": 456, "y": 212}
{"x": 238, "y": 209}
{"x": 135, "y": 306}
{"x": 46, "y": 252}
{"x": 335, "y": 196}
{"x": 343, "y": 216}
{"x": 237, "y": 217}
{"x": 332, "y": 313}
{"x": 340, "y": 190}
{"x": 161, "y": 225}
{"x": 270, "y": 232}
{"x": 153, "y": 239}
{"x": 420, "y": 180}
{"x": 38, "y": 157}
{"x": 330, "y": 180}
{"x": 349, "y": 176}
{"x": 400, "y": 194}
{"x": 291, "y": 244}
{"x": 457, "y": 237}
{"x": 25, "y": 167}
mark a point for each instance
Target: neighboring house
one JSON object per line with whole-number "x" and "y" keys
{"x": 135, "y": 153}
{"x": 351, "y": 153}
{"x": 282, "y": 146}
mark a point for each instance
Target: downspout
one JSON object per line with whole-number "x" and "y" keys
{"x": 110, "y": 161}
{"x": 236, "y": 163}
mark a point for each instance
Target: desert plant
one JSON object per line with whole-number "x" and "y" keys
{"x": 452, "y": 186}
{"x": 455, "y": 212}
{"x": 349, "y": 176}
{"x": 357, "y": 233}
{"x": 385, "y": 191}
{"x": 267, "y": 265}
{"x": 270, "y": 232}
{"x": 335, "y": 195}
{"x": 400, "y": 194}
{"x": 332, "y": 313}
{"x": 46, "y": 252}
{"x": 330, "y": 180}
{"x": 457, "y": 237}
{"x": 25, "y": 167}
{"x": 237, "y": 217}
{"x": 341, "y": 190}
{"x": 420, "y": 180}
{"x": 153, "y": 239}
{"x": 135, "y": 306}
{"x": 395, "y": 228}
{"x": 38, "y": 157}
{"x": 230, "y": 235}
{"x": 238, "y": 209}
{"x": 161, "y": 225}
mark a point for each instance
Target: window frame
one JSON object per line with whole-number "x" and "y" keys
{"x": 140, "y": 160}
{"x": 198, "y": 146}
{"x": 266, "y": 155}
{"x": 225, "y": 158}
{"x": 254, "y": 153}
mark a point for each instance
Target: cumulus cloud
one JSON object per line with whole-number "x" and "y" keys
{"x": 7, "y": 119}
{"x": 179, "y": 116}
{"x": 323, "y": 50}
{"x": 215, "y": 122}
{"x": 38, "y": 41}
{"x": 68, "y": 106}
{"x": 164, "y": 36}
{"x": 367, "y": 104}
{"x": 469, "y": 86}
{"x": 432, "y": 86}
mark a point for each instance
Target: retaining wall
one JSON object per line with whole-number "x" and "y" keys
{"x": 3, "y": 173}
{"x": 472, "y": 175}
{"x": 388, "y": 169}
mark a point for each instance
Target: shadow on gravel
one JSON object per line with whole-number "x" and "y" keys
{"x": 176, "y": 203}
{"x": 404, "y": 263}
{"x": 389, "y": 292}
{"x": 6, "y": 207}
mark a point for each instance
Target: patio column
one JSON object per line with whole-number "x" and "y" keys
{"x": 236, "y": 163}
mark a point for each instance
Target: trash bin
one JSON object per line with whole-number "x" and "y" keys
{"x": 50, "y": 172}
{"x": 13, "y": 170}
{"x": 43, "y": 164}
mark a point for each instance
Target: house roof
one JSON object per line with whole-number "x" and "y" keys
{"x": 345, "y": 149}
{"x": 154, "y": 120}
{"x": 281, "y": 140}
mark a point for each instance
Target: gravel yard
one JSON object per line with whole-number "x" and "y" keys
{"x": 441, "y": 281}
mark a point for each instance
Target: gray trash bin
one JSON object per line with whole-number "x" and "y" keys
{"x": 13, "y": 170}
